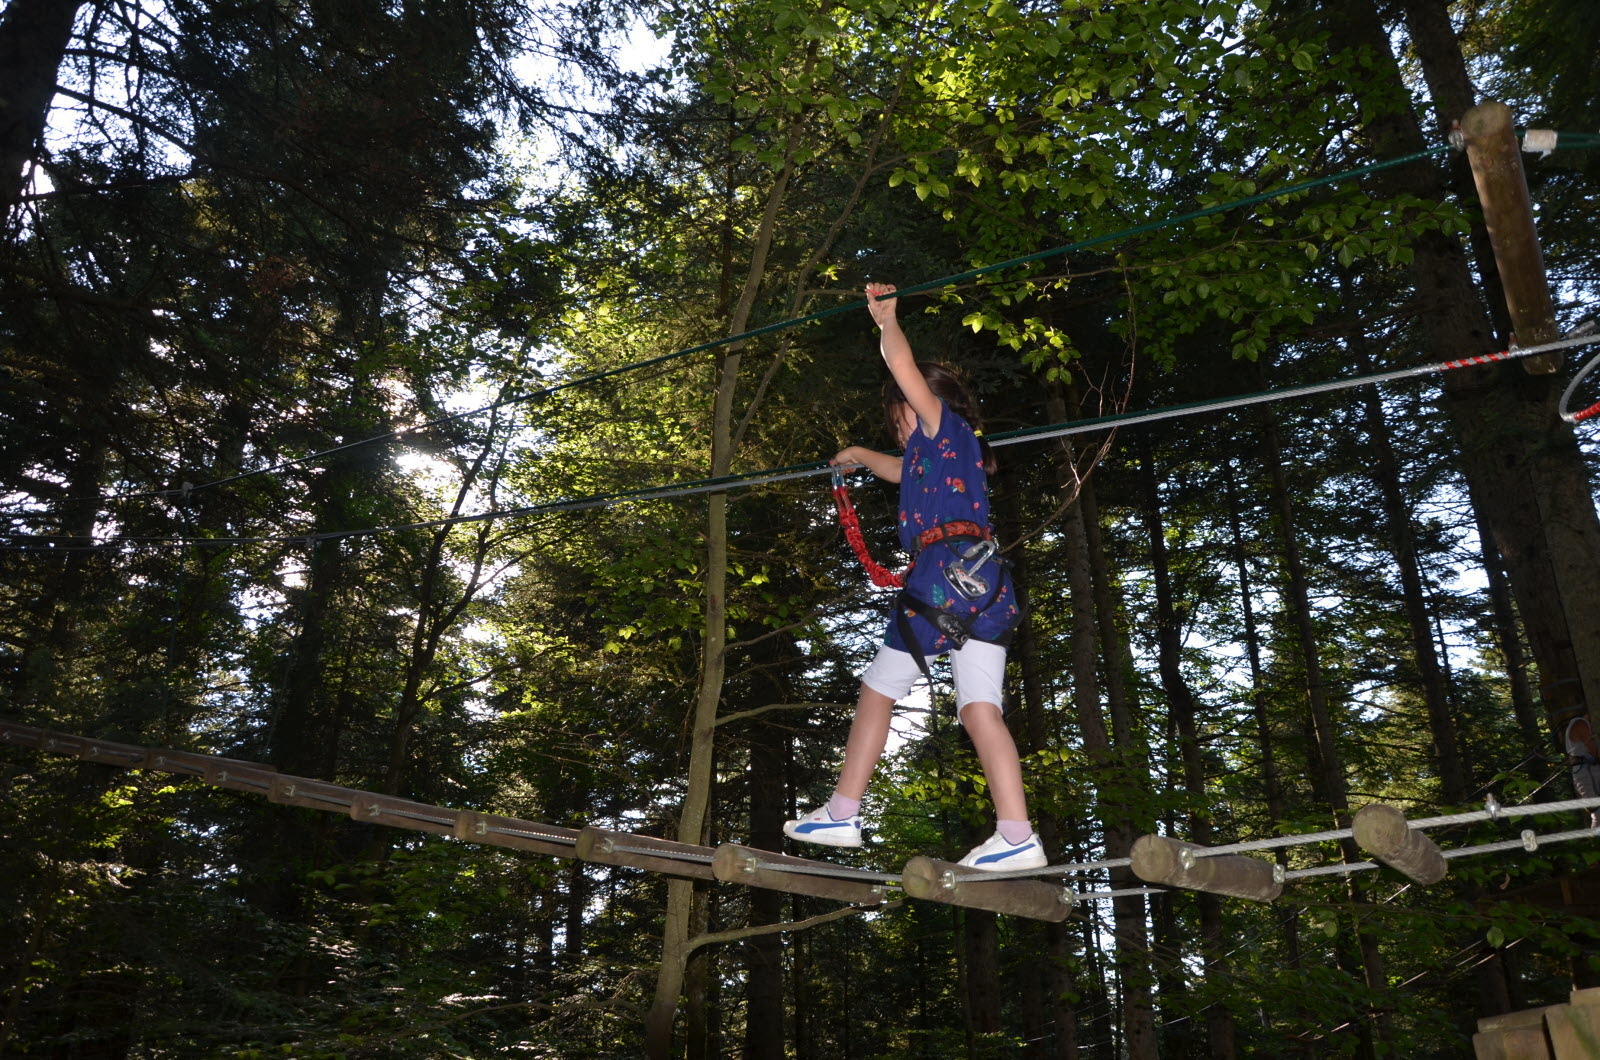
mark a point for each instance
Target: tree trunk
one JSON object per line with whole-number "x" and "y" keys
{"x": 1271, "y": 780}
{"x": 1048, "y": 986}
{"x": 1128, "y": 913}
{"x": 1329, "y": 771}
{"x": 713, "y": 663}
{"x": 1509, "y": 637}
{"x": 1514, "y": 447}
{"x": 1384, "y": 469}
{"x": 980, "y": 944}
{"x": 33, "y": 40}
{"x": 1182, "y": 704}
{"x": 763, "y": 992}
{"x": 299, "y": 736}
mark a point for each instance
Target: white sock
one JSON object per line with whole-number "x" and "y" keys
{"x": 841, "y": 808}
{"x": 1014, "y": 832}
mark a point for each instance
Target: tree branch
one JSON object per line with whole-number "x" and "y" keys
{"x": 716, "y": 938}
{"x": 754, "y": 711}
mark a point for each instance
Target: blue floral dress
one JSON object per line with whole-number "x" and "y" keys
{"x": 942, "y": 481}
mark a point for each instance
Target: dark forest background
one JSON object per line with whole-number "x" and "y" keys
{"x": 257, "y": 256}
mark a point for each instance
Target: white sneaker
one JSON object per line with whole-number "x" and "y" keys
{"x": 818, "y": 826}
{"x": 996, "y": 855}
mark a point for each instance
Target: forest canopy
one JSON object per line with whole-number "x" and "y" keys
{"x": 434, "y": 399}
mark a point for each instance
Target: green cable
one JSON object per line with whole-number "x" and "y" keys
{"x": 822, "y": 314}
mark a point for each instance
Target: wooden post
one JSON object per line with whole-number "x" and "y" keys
{"x": 474, "y": 827}
{"x": 1574, "y": 1029}
{"x": 952, "y": 884}
{"x": 1496, "y": 159}
{"x": 1383, "y": 832}
{"x": 1513, "y": 1036}
{"x": 604, "y": 847}
{"x": 1174, "y": 863}
{"x": 763, "y": 868}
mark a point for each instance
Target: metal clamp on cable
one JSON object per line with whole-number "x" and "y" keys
{"x": 1539, "y": 141}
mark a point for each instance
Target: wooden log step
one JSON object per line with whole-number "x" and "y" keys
{"x": 605, "y": 847}
{"x": 952, "y": 884}
{"x": 256, "y": 780}
{"x": 513, "y": 832}
{"x": 1174, "y": 863}
{"x": 300, "y": 791}
{"x": 1382, "y": 831}
{"x": 403, "y": 813}
{"x": 755, "y": 867}
{"x": 21, "y": 735}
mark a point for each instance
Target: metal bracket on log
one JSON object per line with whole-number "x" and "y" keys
{"x": 1174, "y": 863}
{"x": 255, "y": 780}
{"x": 403, "y": 813}
{"x": 952, "y": 884}
{"x": 298, "y": 791}
{"x": 605, "y": 847}
{"x": 113, "y": 754}
{"x": 475, "y": 827}
{"x": 755, "y": 867}
{"x": 183, "y": 763}
{"x": 1382, "y": 831}
{"x": 22, "y": 735}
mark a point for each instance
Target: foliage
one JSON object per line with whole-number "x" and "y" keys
{"x": 281, "y": 254}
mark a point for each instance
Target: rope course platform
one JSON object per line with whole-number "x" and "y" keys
{"x": 1383, "y": 831}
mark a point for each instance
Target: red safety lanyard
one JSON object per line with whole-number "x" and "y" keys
{"x": 881, "y": 576}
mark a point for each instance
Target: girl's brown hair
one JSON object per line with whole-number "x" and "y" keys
{"x": 948, "y": 383}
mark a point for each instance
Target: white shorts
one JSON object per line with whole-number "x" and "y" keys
{"x": 978, "y": 666}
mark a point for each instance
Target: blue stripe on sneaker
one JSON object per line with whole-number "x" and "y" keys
{"x": 987, "y": 858}
{"x": 811, "y": 826}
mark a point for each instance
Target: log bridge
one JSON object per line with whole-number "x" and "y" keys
{"x": 727, "y": 863}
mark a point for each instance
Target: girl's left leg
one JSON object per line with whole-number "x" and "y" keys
{"x": 997, "y": 753}
{"x": 980, "y": 670}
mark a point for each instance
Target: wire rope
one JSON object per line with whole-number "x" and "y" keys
{"x": 1566, "y": 395}
{"x": 42, "y": 542}
{"x": 1492, "y": 811}
{"x": 809, "y": 318}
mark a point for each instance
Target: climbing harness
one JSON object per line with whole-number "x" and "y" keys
{"x": 970, "y": 570}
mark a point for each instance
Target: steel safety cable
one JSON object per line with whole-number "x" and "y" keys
{"x": 822, "y": 314}
{"x": 822, "y": 868}
{"x": 1566, "y": 395}
{"x": 1493, "y": 811}
{"x": 42, "y": 542}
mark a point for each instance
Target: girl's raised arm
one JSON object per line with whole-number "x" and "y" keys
{"x": 902, "y": 365}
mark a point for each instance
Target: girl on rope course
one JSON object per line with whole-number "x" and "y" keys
{"x": 958, "y": 599}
